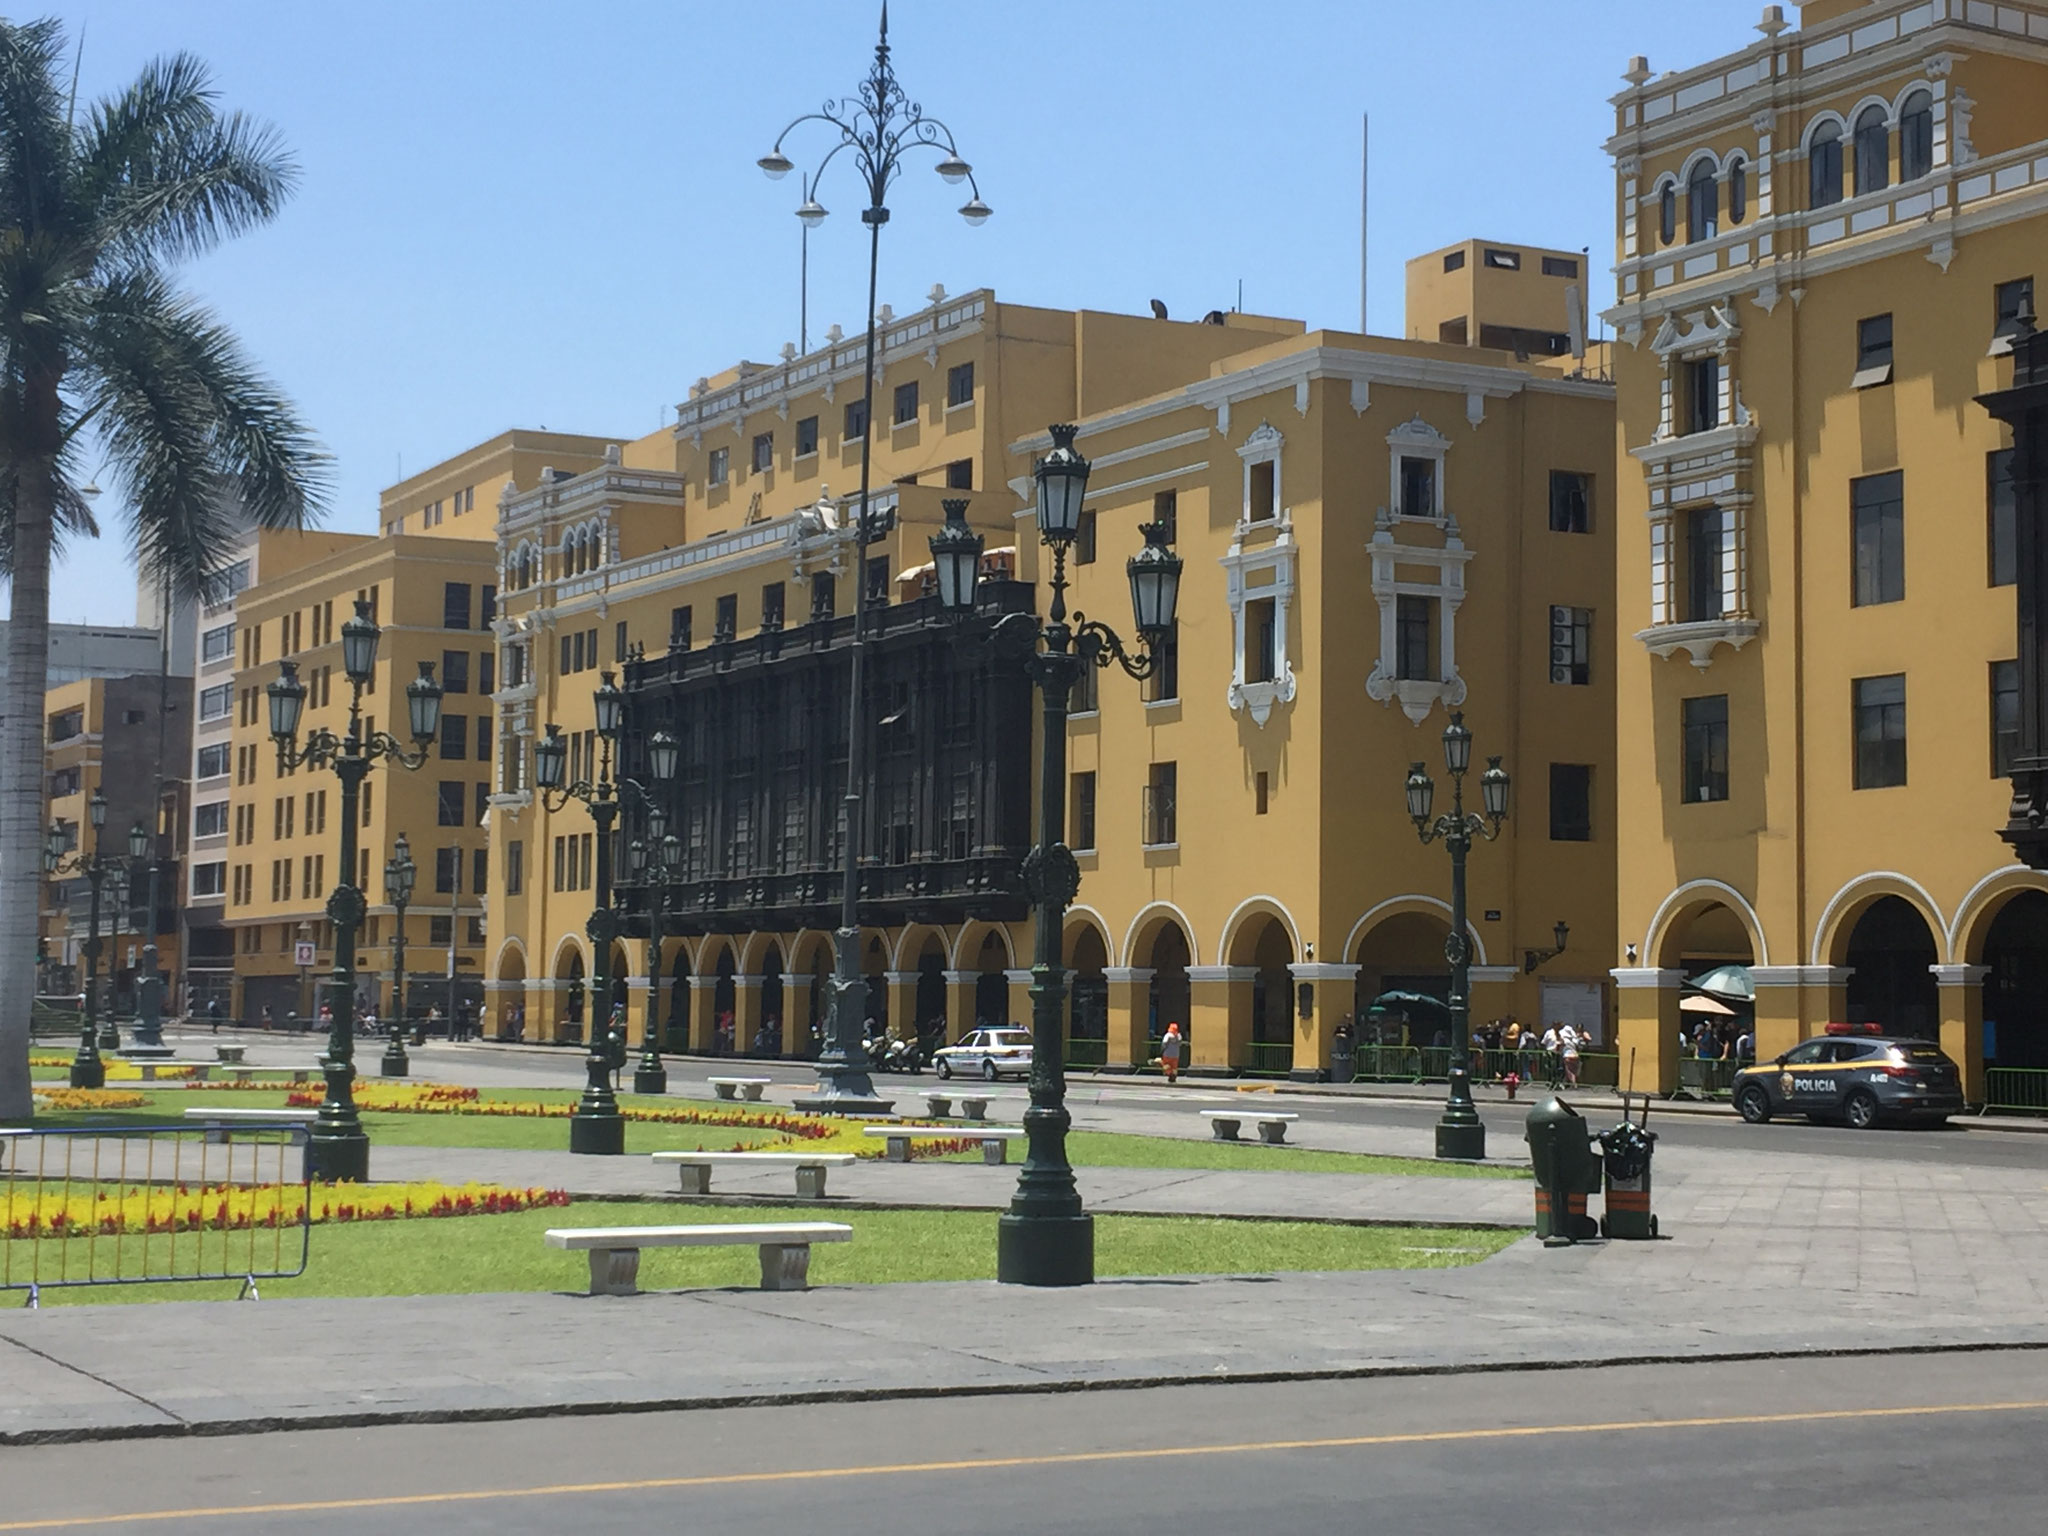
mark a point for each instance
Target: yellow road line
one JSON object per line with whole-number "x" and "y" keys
{"x": 996, "y": 1463}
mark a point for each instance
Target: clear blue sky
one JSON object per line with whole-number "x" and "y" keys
{"x": 517, "y": 213}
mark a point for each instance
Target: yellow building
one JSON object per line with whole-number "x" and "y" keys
{"x": 1822, "y": 241}
{"x": 1376, "y": 531}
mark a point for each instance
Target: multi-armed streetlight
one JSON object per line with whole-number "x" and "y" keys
{"x": 87, "y": 1069}
{"x": 595, "y": 1125}
{"x": 880, "y": 126}
{"x": 655, "y": 861}
{"x": 399, "y": 874}
{"x": 1460, "y": 1134}
{"x": 1046, "y": 1238}
{"x": 339, "y": 1147}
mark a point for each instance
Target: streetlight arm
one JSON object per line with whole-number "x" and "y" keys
{"x": 1099, "y": 645}
{"x": 1466, "y": 824}
{"x": 323, "y": 747}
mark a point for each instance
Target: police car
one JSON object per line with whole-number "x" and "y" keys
{"x": 1853, "y": 1075}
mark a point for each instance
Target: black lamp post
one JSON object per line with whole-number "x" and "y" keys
{"x": 655, "y": 862}
{"x": 138, "y": 850}
{"x": 88, "y": 1070}
{"x": 1046, "y": 1238}
{"x": 149, "y": 982}
{"x": 339, "y": 1147}
{"x": 399, "y": 874}
{"x": 1460, "y": 1134}
{"x": 2023, "y": 407}
{"x": 595, "y": 1125}
{"x": 880, "y": 126}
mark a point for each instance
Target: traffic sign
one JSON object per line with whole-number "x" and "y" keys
{"x": 302, "y": 952}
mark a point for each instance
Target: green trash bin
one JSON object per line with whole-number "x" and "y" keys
{"x": 1628, "y": 1148}
{"x": 1568, "y": 1169}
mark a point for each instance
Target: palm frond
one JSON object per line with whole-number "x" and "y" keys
{"x": 74, "y": 517}
{"x": 35, "y": 136}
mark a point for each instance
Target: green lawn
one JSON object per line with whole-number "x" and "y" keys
{"x": 505, "y": 1253}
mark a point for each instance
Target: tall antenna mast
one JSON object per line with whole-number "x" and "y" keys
{"x": 1364, "y": 214}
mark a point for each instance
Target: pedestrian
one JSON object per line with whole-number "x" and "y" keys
{"x": 1568, "y": 1046}
{"x": 1170, "y": 1053}
{"x": 268, "y": 1022}
{"x": 370, "y": 1020}
{"x": 1745, "y": 1047}
{"x": 213, "y": 1013}
{"x": 433, "y": 1023}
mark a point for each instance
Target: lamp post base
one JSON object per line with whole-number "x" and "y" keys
{"x": 337, "y": 1154}
{"x": 1045, "y": 1250}
{"x": 650, "y": 1076}
{"x": 88, "y": 1071}
{"x": 1461, "y": 1135}
{"x": 596, "y": 1133}
{"x": 395, "y": 1062}
{"x": 110, "y": 1038}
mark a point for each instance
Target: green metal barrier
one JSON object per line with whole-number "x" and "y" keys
{"x": 1699, "y": 1079}
{"x": 2016, "y": 1088}
{"x": 54, "y": 1021}
{"x": 1271, "y": 1058}
{"x": 1087, "y": 1053}
{"x": 1389, "y": 1064}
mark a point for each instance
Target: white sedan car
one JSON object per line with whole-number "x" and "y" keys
{"x": 993, "y": 1053}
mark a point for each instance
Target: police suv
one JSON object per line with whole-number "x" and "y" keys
{"x": 1853, "y": 1075}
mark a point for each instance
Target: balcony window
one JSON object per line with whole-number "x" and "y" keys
{"x": 1824, "y": 166}
{"x": 1704, "y": 731}
{"x": 1702, "y": 205}
{"x": 1418, "y": 488}
{"x": 1873, "y": 152}
{"x": 1704, "y": 537}
{"x": 2005, "y": 717}
{"x": 1412, "y": 650}
{"x": 1916, "y": 137}
{"x": 1738, "y": 191}
{"x": 1260, "y": 640}
{"x": 1877, "y": 506}
{"x": 1667, "y": 215}
{"x": 1702, "y": 395}
{"x": 1162, "y": 820}
{"x": 2001, "y": 497}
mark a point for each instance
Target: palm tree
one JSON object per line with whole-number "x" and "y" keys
{"x": 98, "y": 349}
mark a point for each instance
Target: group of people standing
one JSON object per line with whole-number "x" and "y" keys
{"x": 1501, "y": 1047}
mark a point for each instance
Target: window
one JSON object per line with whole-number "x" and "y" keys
{"x": 960, "y": 475}
{"x": 1084, "y": 538}
{"x": 515, "y": 867}
{"x": 448, "y": 873}
{"x": 454, "y": 737}
{"x": 807, "y": 437}
{"x": 1873, "y": 152}
{"x": 1084, "y": 811}
{"x": 620, "y": 644}
{"x": 216, "y": 702}
{"x": 2008, "y": 300}
{"x": 1454, "y": 333}
{"x": 1824, "y": 166}
{"x": 452, "y": 796}
{"x": 1880, "y": 705}
{"x": 771, "y": 605}
{"x": 213, "y": 762}
{"x": 67, "y": 725}
{"x": 455, "y": 605}
{"x": 1454, "y": 261}
{"x": 960, "y": 384}
{"x": 1705, "y": 732}
{"x": 1418, "y": 487}
{"x": 66, "y": 781}
{"x": 2005, "y": 717}
{"x": 1571, "y": 501}
{"x": 764, "y": 452}
{"x": 1166, "y": 512}
{"x": 725, "y": 623}
{"x": 679, "y": 628}
{"x": 209, "y": 879}
{"x": 720, "y": 467}
{"x": 1086, "y": 698}
{"x": 479, "y": 873}
{"x": 1411, "y": 638}
{"x": 906, "y": 404}
{"x": 1703, "y": 394}
{"x": 1571, "y": 646}
{"x": 1162, "y": 823}
{"x": 455, "y": 671}
{"x": 1506, "y": 261}
{"x": 878, "y": 581}
{"x": 824, "y": 595}
{"x": 1164, "y": 683}
{"x": 1667, "y": 215}
{"x": 1738, "y": 191}
{"x": 1560, "y": 266}
{"x": 486, "y": 663}
{"x": 1260, "y": 506}
{"x": 233, "y": 580}
{"x": 210, "y": 819}
{"x": 1916, "y": 137}
{"x": 441, "y": 931}
{"x": 856, "y": 420}
{"x": 1571, "y": 803}
{"x": 1259, "y": 640}
{"x": 1877, "y": 508}
{"x": 1261, "y": 792}
{"x": 482, "y": 802}
{"x": 1873, "y": 352}
{"x": 217, "y": 644}
{"x": 1702, "y": 204}
{"x": 1702, "y": 565}
{"x": 2002, "y": 502}
{"x": 561, "y": 864}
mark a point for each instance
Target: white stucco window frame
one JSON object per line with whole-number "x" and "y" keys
{"x": 1262, "y": 447}
{"x": 1246, "y": 583}
{"x": 1417, "y": 439}
{"x": 1417, "y": 696}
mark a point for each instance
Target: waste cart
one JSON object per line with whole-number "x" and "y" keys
{"x": 1343, "y": 1055}
{"x": 1629, "y": 1148}
{"x": 1567, "y": 1171}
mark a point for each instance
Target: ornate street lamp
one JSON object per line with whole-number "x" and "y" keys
{"x": 1046, "y": 1238}
{"x": 880, "y": 127}
{"x": 339, "y": 1148}
{"x": 1460, "y": 1134}
{"x": 88, "y": 1069}
{"x": 399, "y": 874}
{"x": 595, "y": 1125}
{"x": 655, "y": 862}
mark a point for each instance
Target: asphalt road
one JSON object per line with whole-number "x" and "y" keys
{"x": 1876, "y": 1446}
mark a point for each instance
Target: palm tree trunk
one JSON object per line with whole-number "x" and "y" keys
{"x": 21, "y": 775}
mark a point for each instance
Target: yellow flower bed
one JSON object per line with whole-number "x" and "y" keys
{"x": 89, "y": 1098}
{"x": 136, "y": 1209}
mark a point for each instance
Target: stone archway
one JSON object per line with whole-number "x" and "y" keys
{"x": 675, "y": 1031}
{"x": 775, "y": 1039}
{"x": 1402, "y": 952}
{"x": 991, "y": 964}
{"x": 1264, "y": 945}
{"x": 1891, "y": 953}
{"x": 1167, "y": 953}
{"x": 1087, "y": 956}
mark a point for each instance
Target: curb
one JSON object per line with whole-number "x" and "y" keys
{"x": 370, "y": 1419}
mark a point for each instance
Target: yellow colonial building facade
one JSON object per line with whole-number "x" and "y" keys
{"x": 1824, "y": 239}
{"x": 1375, "y": 532}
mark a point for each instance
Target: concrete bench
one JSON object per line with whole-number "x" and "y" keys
{"x": 749, "y": 1087}
{"x": 995, "y": 1141}
{"x": 1224, "y": 1123}
{"x": 231, "y": 1054}
{"x": 810, "y": 1167}
{"x": 974, "y": 1106}
{"x": 249, "y": 1074}
{"x": 149, "y": 1069}
{"x": 221, "y": 1123}
{"x": 615, "y": 1251}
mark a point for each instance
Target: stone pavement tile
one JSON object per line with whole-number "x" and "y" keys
{"x": 37, "y": 1390}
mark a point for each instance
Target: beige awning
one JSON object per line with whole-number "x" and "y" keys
{"x": 1699, "y": 1002}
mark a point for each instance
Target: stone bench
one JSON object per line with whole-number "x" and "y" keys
{"x": 995, "y": 1141}
{"x": 810, "y": 1167}
{"x": 231, "y": 1054}
{"x": 615, "y": 1251}
{"x": 974, "y": 1106}
{"x": 198, "y": 1070}
{"x": 749, "y": 1087}
{"x": 249, "y": 1074}
{"x": 1224, "y": 1123}
{"x": 220, "y": 1124}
